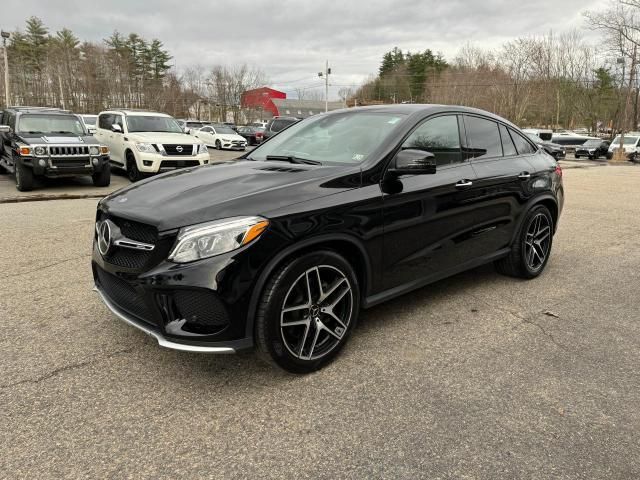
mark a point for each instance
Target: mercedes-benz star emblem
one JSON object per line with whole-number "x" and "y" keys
{"x": 179, "y": 148}
{"x": 104, "y": 238}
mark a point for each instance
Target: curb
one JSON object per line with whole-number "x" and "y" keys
{"x": 45, "y": 198}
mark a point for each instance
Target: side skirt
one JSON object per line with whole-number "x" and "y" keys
{"x": 373, "y": 300}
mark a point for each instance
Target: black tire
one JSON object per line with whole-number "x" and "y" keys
{"x": 102, "y": 178}
{"x": 577, "y": 156}
{"x": 24, "y": 177}
{"x": 609, "y": 156}
{"x": 218, "y": 145}
{"x": 516, "y": 264}
{"x": 279, "y": 346}
{"x": 132, "y": 168}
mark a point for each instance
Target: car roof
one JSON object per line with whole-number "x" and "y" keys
{"x": 424, "y": 109}
{"x": 145, "y": 113}
{"x": 49, "y": 110}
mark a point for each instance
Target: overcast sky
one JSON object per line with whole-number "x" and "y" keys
{"x": 290, "y": 39}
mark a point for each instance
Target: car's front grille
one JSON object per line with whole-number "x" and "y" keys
{"x": 64, "y": 150}
{"x": 238, "y": 142}
{"x": 177, "y": 150}
{"x": 123, "y": 295}
{"x": 179, "y": 163}
{"x": 67, "y": 162}
{"x": 141, "y": 232}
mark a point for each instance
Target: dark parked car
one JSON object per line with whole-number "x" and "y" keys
{"x": 593, "y": 149}
{"x": 252, "y": 134}
{"x": 553, "y": 149}
{"x": 342, "y": 211}
{"x": 49, "y": 142}
{"x": 277, "y": 124}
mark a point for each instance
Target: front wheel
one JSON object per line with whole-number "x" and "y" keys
{"x": 218, "y": 145}
{"x": 132, "y": 168}
{"x": 531, "y": 249}
{"x": 307, "y": 312}
{"x": 24, "y": 177}
{"x": 102, "y": 178}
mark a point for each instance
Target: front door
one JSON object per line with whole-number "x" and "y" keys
{"x": 425, "y": 223}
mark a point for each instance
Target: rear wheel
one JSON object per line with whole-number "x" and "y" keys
{"x": 132, "y": 168}
{"x": 24, "y": 177}
{"x": 307, "y": 312}
{"x": 577, "y": 156}
{"x": 531, "y": 249}
{"x": 102, "y": 178}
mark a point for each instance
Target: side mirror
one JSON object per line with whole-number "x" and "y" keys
{"x": 414, "y": 162}
{"x": 5, "y": 128}
{"x": 187, "y": 131}
{"x": 116, "y": 128}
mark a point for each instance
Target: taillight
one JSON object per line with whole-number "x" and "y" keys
{"x": 558, "y": 171}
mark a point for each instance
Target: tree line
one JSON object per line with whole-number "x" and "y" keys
{"x": 555, "y": 81}
{"x": 57, "y": 69}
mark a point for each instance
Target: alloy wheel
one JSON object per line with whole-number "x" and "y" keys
{"x": 537, "y": 241}
{"x": 316, "y": 312}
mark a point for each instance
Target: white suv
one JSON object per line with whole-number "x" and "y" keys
{"x": 144, "y": 142}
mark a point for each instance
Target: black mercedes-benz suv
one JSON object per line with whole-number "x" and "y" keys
{"x": 281, "y": 248}
{"x": 49, "y": 142}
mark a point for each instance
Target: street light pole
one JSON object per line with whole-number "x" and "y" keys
{"x": 5, "y": 35}
{"x": 326, "y": 73}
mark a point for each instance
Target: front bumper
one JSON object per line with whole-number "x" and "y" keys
{"x": 63, "y": 166}
{"x": 155, "y": 162}
{"x": 162, "y": 340}
{"x": 234, "y": 146}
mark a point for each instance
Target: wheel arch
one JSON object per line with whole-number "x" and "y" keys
{"x": 546, "y": 199}
{"x": 347, "y": 246}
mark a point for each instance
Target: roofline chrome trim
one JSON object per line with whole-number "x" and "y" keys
{"x": 162, "y": 341}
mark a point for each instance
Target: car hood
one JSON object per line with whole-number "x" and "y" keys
{"x": 56, "y": 139}
{"x": 552, "y": 145}
{"x": 162, "y": 137}
{"x": 210, "y": 192}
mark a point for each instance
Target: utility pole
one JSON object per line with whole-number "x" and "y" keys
{"x": 327, "y": 72}
{"x": 5, "y": 35}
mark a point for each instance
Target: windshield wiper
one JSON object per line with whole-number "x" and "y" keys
{"x": 33, "y": 132}
{"x": 291, "y": 159}
{"x": 64, "y": 131}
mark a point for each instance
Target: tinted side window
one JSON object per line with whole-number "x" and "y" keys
{"x": 105, "y": 121}
{"x": 439, "y": 136}
{"x": 484, "y": 139}
{"x": 12, "y": 121}
{"x": 522, "y": 145}
{"x": 117, "y": 119}
{"x": 507, "y": 143}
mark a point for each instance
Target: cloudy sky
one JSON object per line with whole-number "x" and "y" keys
{"x": 291, "y": 39}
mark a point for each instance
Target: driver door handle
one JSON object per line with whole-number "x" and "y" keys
{"x": 464, "y": 183}
{"x": 524, "y": 176}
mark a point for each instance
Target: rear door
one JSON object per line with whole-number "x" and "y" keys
{"x": 500, "y": 157}
{"x": 423, "y": 219}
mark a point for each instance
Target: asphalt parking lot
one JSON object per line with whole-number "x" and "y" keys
{"x": 478, "y": 376}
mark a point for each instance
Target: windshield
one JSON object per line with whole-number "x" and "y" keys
{"x": 592, "y": 143}
{"x": 225, "y": 130}
{"x": 343, "y": 138}
{"x": 147, "y": 123}
{"x": 627, "y": 140}
{"x": 42, "y": 123}
{"x": 90, "y": 119}
{"x": 281, "y": 124}
{"x": 194, "y": 124}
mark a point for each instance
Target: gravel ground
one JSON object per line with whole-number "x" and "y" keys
{"x": 478, "y": 376}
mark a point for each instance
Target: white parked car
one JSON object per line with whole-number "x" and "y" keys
{"x": 220, "y": 136}
{"x": 630, "y": 145}
{"x": 148, "y": 142}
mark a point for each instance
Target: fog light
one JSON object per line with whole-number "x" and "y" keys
{"x": 42, "y": 162}
{"x": 95, "y": 161}
{"x": 147, "y": 163}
